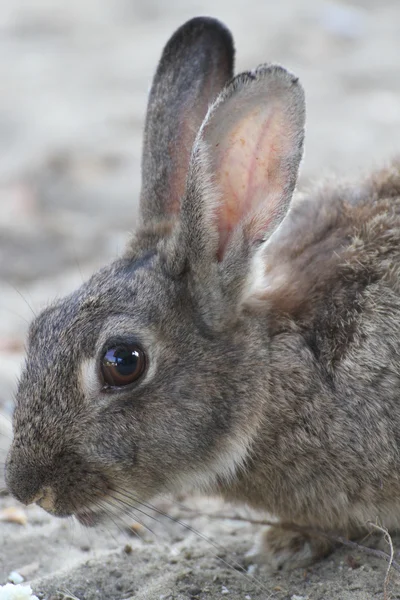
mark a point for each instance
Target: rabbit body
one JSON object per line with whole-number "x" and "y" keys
{"x": 330, "y": 423}
{"x": 257, "y": 338}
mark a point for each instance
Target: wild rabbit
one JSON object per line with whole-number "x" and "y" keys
{"x": 244, "y": 344}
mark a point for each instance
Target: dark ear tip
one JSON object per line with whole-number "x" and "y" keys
{"x": 277, "y": 71}
{"x": 205, "y": 24}
{"x": 272, "y": 77}
{"x": 201, "y": 30}
{"x": 268, "y": 71}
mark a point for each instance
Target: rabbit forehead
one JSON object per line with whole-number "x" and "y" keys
{"x": 125, "y": 289}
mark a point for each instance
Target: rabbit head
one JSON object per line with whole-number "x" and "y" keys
{"x": 150, "y": 377}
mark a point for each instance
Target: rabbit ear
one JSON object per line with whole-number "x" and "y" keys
{"x": 195, "y": 65}
{"x": 245, "y": 162}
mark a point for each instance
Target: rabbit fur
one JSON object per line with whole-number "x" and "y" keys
{"x": 270, "y": 324}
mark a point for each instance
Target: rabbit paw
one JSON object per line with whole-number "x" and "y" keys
{"x": 280, "y": 548}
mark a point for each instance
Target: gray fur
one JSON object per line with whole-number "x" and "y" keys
{"x": 277, "y": 387}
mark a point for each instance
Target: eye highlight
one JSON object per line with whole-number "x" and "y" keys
{"x": 122, "y": 365}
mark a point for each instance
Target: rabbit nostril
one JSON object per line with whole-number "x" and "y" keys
{"x": 45, "y": 499}
{"x": 37, "y": 498}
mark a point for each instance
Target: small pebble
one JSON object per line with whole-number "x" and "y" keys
{"x": 135, "y": 529}
{"x": 224, "y": 590}
{"x": 16, "y": 592}
{"x": 13, "y": 514}
{"x": 15, "y": 577}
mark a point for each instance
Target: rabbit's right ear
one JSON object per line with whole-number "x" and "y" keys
{"x": 195, "y": 65}
{"x": 242, "y": 175}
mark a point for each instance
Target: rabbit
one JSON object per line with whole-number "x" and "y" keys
{"x": 247, "y": 341}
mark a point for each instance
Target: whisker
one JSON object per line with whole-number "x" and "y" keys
{"x": 234, "y": 565}
{"x": 88, "y": 532}
{"x": 23, "y": 298}
{"x": 101, "y": 504}
{"x": 130, "y": 505}
{"x": 79, "y": 268}
{"x": 13, "y": 312}
{"x": 92, "y": 500}
{"x": 125, "y": 512}
{"x": 71, "y": 521}
{"x": 3, "y": 416}
{"x": 128, "y": 525}
{"x": 72, "y": 529}
{"x": 111, "y": 517}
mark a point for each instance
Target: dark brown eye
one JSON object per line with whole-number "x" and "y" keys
{"x": 122, "y": 365}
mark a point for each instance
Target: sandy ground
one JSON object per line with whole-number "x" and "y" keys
{"x": 73, "y": 83}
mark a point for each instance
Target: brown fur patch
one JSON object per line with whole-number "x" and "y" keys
{"x": 333, "y": 245}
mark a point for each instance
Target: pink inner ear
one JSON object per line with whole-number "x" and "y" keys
{"x": 181, "y": 146}
{"x": 248, "y": 167}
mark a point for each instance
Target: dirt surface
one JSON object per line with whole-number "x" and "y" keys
{"x": 74, "y": 78}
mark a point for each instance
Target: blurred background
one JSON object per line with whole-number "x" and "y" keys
{"x": 74, "y": 78}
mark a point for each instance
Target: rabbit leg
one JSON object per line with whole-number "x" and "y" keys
{"x": 280, "y": 548}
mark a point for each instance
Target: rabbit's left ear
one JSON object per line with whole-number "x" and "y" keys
{"x": 244, "y": 163}
{"x": 195, "y": 65}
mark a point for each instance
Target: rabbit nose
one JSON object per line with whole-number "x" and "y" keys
{"x": 24, "y": 489}
{"x": 24, "y": 483}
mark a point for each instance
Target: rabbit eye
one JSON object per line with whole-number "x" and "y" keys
{"x": 122, "y": 365}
